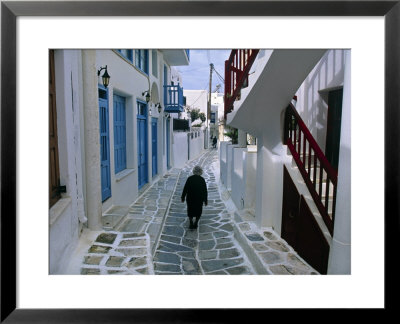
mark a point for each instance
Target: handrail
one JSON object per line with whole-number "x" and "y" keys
{"x": 237, "y": 69}
{"x": 297, "y": 136}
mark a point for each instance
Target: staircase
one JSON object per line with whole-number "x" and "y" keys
{"x": 317, "y": 173}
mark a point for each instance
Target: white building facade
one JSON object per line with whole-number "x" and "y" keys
{"x": 110, "y": 142}
{"x": 272, "y": 179}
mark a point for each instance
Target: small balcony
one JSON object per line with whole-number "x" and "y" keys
{"x": 173, "y": 99}
{"x": 176, "y": 57}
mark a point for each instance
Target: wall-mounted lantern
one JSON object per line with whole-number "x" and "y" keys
{"x": 147, "y": 95}
{"x": 159, "y": 108}
{"x": 105, "y": 76}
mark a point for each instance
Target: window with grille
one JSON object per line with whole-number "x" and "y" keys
{"x": 142, "y": 60}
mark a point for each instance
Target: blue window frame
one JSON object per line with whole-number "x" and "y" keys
{"x": 119, "y": 133}
{"x": 127, "y": 53}
{"x": 142, "y": 60}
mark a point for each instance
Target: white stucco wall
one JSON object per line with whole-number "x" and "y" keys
{"x": 185, "y": 148}
{"x": 196, "y": 99}
{"x": 312, "y": 96}
{"x": 238, "y": 183}
{"x": 68, "y": 214}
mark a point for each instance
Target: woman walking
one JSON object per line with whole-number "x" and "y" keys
{"x": 195, "y": 191}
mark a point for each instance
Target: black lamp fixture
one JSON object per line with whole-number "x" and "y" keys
{"x": 147, "y": 95}
{"x": 159, "y": 107}
{"x": 105, "y": 76}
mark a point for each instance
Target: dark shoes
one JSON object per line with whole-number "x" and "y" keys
{"x": 193, "y": 226}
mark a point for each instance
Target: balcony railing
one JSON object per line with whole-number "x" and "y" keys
{"x": 173, "y": 98}
{"x": 237, "y": 69}
{"x": 317, "y": 172}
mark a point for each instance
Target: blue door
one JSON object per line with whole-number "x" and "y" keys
{"x": 167, "y": 140}
{"x": 142, "y": 143}
{"x": 104, "y": 146}
{"x": 119, "y": 133}
{"x": 154, "y": 146}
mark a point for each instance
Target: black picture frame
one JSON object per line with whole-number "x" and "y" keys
{"x": 10, "y": 10}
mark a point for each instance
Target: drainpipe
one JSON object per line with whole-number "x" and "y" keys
{"x": 92, "y": 140}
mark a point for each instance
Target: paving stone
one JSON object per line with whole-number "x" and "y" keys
{"x": 176, "y": 247}
{"x": 167, "y": 258}
{"x": 277, "y": 246}
{"x": 224, "y": 246}
{"x": 87, "y": 271}
{"x": 227, "y": 227}
{"x": 189, "y": 242}
{"x": 206, "y": 229}
{"x": 172, "y": 239}
{"x": 114, "y": 261}
{"x": 136, "y": 262}
{"x": 188, "y": 255}
{"x": 133, "y": 235}
{"x": 93, "y": 260}
{"x": 279, "y": 270}
{"x": 229, "y": 253}
{"x": 221, "y": 234}
{"x": 167, "y": 267}
{"x": 133, "y": 225}
{"x": 207, "y": 255}
{"x": 238, "y": 270}
{"x": 99, "y": 249}
{"x": 213, "y": 265}
{"x": 271, "y": 257}
{"x": 296, "y": 262}
{"x": 143, "y": 270}
{"x": 245, "y": 227}
{"x": 260, "y": 247}
{"x": 270, "y": 236}
{"x": 206, "y": 245}
{"x": 190, "y": 265}
{"x": 112, "y": 272}
{"x": 107, "y": 238}
{"x": 139, "y": 242}
{"x": 221, "y": 272}
{"x": 173, "y": 231}
{"x": 132, "y": 251}
{"x": 254, "y": 237}
{"x": 206, "y": 236}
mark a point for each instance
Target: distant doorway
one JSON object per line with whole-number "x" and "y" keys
{"x": 334, "y": 122}
{"x": 154, "y": 147}
{"x": 142, "y": 143}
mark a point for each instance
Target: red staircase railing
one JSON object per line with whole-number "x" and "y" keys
{"x": 313, "y": 165}
{"x": 237, "y": 69}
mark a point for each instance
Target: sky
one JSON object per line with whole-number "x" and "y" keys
{"x": 196, "y": 75}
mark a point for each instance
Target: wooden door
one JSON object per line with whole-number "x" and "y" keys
{"x": 334, "y": 122}
{"x": 54, "y": 170}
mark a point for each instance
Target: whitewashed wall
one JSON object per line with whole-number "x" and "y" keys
{"x": 185, "y": 148}
{"x": 68, "y": 214}
{"x": 312, "y": 96}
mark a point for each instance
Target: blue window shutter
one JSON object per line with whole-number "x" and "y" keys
{"x": 119, "y": 133}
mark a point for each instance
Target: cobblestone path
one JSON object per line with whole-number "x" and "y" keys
{"x": 210, "y": 249}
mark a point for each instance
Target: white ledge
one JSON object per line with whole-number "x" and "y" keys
{"x": 57, "y": 210}
{"x": 123, "y": 174}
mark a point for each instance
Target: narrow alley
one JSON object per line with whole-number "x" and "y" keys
{"x": 154, "y": 236}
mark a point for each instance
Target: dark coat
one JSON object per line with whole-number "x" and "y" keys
{"x": 195, "y": 191}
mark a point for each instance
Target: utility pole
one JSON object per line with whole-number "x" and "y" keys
{"x": 209, "y": 104}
